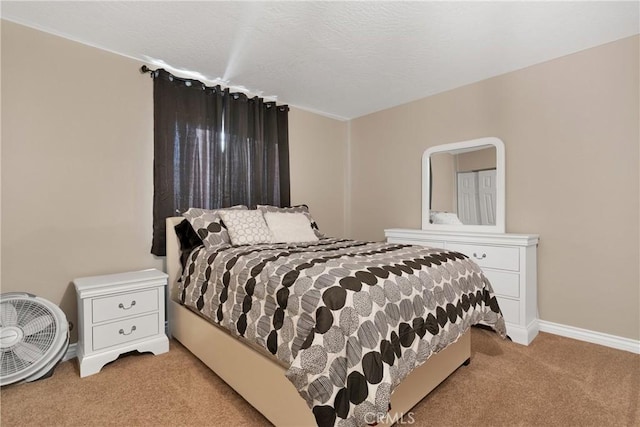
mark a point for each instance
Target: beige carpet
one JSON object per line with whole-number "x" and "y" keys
{"x": 554, "y": 382}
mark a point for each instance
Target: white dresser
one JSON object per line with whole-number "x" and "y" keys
{"x": 508, "y": 260}
{"x": 118, "y": 313}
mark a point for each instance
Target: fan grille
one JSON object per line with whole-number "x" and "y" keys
{"x": 38, "y": 324}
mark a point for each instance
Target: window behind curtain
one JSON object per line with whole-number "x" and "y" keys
{"x": 214, "y": 149}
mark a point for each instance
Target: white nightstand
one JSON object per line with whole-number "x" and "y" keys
{"x": 118, "y": 313}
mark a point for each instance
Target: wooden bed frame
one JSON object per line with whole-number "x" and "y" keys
{"x": 229, "y": 357}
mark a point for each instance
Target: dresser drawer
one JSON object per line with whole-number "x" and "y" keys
{"x": 123, "y": 331}
{"x": 501, "y": 257}
{"x": 123, "y": 305}
{"x": 504, "y": 283}
{"x": 510, "y": 309}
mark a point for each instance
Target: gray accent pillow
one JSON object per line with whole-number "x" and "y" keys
{"x": 246, "y": 227}
{"x": 209, "y": 226}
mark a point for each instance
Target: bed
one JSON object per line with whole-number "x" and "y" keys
{"x": 261, "y": 378}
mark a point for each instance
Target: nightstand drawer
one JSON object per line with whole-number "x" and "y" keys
{"x": 123, "y": 331}
{"x": 501, "y": 257}
{"x": 510, "y": 309}
{"x": 504, "y": 283}
{"x": 124, "y": 305}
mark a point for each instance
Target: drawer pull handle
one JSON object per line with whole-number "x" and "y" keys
{"x": 475, "y": 255}
{"x": 121, "y": 331}
{"x": 132, "y": 304}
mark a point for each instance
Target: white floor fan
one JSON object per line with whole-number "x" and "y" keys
{"x": 34, "y": 336}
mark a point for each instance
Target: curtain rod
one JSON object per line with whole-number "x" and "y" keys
{"x": 154, "y": 73}
{"x": 144, "y": 69}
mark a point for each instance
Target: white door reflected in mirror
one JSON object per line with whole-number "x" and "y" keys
{"x": 477, "y": 197}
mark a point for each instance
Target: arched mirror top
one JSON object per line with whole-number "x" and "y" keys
{"x": 463, "y": 186}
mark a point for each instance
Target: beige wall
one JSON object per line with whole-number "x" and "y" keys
{"x": 571, "y": 134}
{"x": 77, "y": 153}
{"x": 318, "y": 154}
{"x": 77, "y": 159}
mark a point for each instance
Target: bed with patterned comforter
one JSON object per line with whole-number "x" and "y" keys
{"x": 349, "y": 319}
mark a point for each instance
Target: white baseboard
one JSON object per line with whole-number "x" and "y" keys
{"x": 522, "y": 335}
{"x": 72, "y": 352}
{"x": 606, "y": 340}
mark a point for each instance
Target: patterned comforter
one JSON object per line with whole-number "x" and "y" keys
{"x": 350, "y": 319}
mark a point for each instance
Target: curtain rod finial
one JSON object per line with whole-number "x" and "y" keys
{"x": 145, "y": 69}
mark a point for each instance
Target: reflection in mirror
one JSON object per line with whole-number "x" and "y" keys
{"x": 463, "y": 186}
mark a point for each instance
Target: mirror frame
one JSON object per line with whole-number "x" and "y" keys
{"x": 461, "y": 147}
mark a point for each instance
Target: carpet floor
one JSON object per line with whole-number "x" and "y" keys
{"x": 555, "y": 381}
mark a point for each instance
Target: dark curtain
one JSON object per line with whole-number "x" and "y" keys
{"x": 214, "y": 149}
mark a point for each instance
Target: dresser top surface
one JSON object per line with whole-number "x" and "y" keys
{"x": 463, "y": 236}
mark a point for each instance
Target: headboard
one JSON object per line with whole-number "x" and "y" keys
{"x": 174, "y": 269}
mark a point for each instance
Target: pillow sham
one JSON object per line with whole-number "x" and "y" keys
{"x": 188, "y": 238}
{"x": 208, "y": 225}
{"x": 246, "y": 227}
{"x": 289, "y": 227}
{"x": 303, "y": 209}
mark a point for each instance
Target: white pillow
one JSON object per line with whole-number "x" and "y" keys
{"x": 290, "y": 227}
{"x": 304, "y": 209}
{"x": 444, "y": 218}
{"x": 246, "y": 227}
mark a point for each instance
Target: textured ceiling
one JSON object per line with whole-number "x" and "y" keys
{"x": 341, "y": 59}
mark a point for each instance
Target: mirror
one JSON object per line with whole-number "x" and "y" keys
{"x": 463, "y": 186}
